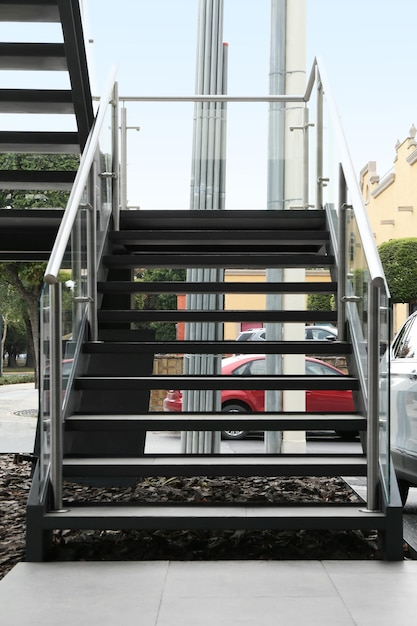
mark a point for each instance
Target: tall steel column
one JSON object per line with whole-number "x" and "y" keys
{"x": 275, "y": 194}
{"x": 207, "y": 192}
{"x": 286, "y": 173}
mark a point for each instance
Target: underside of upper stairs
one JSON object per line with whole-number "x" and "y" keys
{"x": 39, "y": 121}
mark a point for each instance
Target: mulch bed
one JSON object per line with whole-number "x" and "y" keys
{"x": 183, "y": 545}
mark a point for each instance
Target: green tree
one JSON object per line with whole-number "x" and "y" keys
{"x": 321, "y": 302}
{"x": 399, "y": 260}
{"x": 157, "y": 302}
{"x": 27, "y": 278}
{"x": 19, "y": 199}
{"x": 13, "y": 327}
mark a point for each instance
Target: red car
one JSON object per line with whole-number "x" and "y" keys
{"x": 250, "y": 400}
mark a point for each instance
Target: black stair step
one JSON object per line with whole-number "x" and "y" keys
{"x": 222, "y": 220}
{"x": 180, "y": 287}
{"x": 218, "y": 465}
{"x": 222, "y": 260}
{"x": 28, "y": 234}
{"x": 218, "y": 421}
{"x": 331, "y": 348}
{"x": 32, "y": 56}
{"x": 39, "y": 141}
{"x": 29, "y": 11}
{"x": 218, "y": 516}
{"x": 215, "y": 316}
{"x": 286, "y": 382}
{"x": 36, "y": 101}
{"x": 213, "y": 240}
{"x": 36, "y": 179}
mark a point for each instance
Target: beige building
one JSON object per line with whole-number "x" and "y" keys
{"x": 255, "y": 302}
{"x": 391, "y": 201}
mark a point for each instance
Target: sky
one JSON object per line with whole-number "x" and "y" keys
{"x": 367, "y": 47}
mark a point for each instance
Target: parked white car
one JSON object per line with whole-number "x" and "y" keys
{"x": 404, "y": 405}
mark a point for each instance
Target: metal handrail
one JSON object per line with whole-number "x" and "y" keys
{"x": 372, "y": 258}
{"x": 376, "y": 283}
{"x": 80, "y": 182}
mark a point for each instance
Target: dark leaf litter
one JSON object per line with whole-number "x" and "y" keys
{"x": 183, "y": 545}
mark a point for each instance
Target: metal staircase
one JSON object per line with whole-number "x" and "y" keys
{"x": 36, "y": 229}
{"x": 97, "y": 368}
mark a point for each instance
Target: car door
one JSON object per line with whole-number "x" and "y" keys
{"x": 327, "y": 400}
{"x": 404, "y": 389}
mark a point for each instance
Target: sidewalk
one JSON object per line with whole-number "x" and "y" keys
{"x": 208, "y": 593}
{"x": 18, "y": 416}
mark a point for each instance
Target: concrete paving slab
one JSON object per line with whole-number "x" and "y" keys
{"x": 18, "y": 416}
{"x": 224, "y": 593}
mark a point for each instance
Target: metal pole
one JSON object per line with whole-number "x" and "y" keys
{"x": 373, "y": 396}
{"x": 123, "y": 159}
{"x": 92, "y": 256}
{"x": 206, "y": 178}
{"x": 55, "y": 390}
{"x": 341, "y": 261}
{"x": 275, "y": 196}
{"x": 116, "y": 158}
{"x": 319, "y": 147}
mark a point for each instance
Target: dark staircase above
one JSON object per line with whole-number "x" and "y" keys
{"x": 69, "y": 57}
{"x": 28, "y": 235}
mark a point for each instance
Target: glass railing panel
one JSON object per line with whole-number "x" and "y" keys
{"x": 385, "y": 392}
{"x": 104, "y": 181}
{"x": 44, "y": 426}
{"x": 363, "y": 268}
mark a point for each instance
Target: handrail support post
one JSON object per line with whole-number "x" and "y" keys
{"x": 55, "y": 391}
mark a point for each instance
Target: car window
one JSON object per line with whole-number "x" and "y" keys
{"x": 257, "y": 368}
{"x": 251, "y": 368}
{"x": 405, "y": 345}
{"x": 242, "y": 370}
{"x": 244, "y": 336}
{"x": 318, "y": 369}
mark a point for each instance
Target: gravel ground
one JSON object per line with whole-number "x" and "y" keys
{"x": 182, "y": 545}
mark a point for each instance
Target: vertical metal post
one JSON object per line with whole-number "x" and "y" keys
{"x": 207, "y": 192}
{"x": 123, "y": 158}
{"x": 56, "y": 395}
{"x": 306, "y": 157}
{"x": 373, "y": 396}
{"x": 92, "y": 257}
{"x": 115, "y": 155}
{"x": 275, "y": 197}
{"x": 319, "y": 147}
{"x": 341, "y": 261}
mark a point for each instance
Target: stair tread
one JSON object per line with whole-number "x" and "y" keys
{"x": 33, "y": 56}
{"x": 203, "y": 516}
{"x": 255, "y": 219}
{"x": 217, "y": 421}
{"x": 62, "y": 142}
{"x": 222, "y": 315}
{"x": 179, "y": 287}
{"x": 217, "y": 465}
{"x": 37, "y": 179}
{"x": 223, "y": 459}
{"x": 312, "y": 346}
{"x": 285, "y": 381}
{"x": 36, "y": 101}
{"x": 220, "y": 259}
{"x": 29, "y": 11}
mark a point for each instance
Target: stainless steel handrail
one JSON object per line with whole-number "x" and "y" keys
{"x": 377, "y": 282}
{"x": 81, "y": 179}
{"x": 372, "y": 258}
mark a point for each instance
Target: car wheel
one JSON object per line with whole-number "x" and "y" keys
{"x": 403, "y": 486}
{"x": 234, "y": 434}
